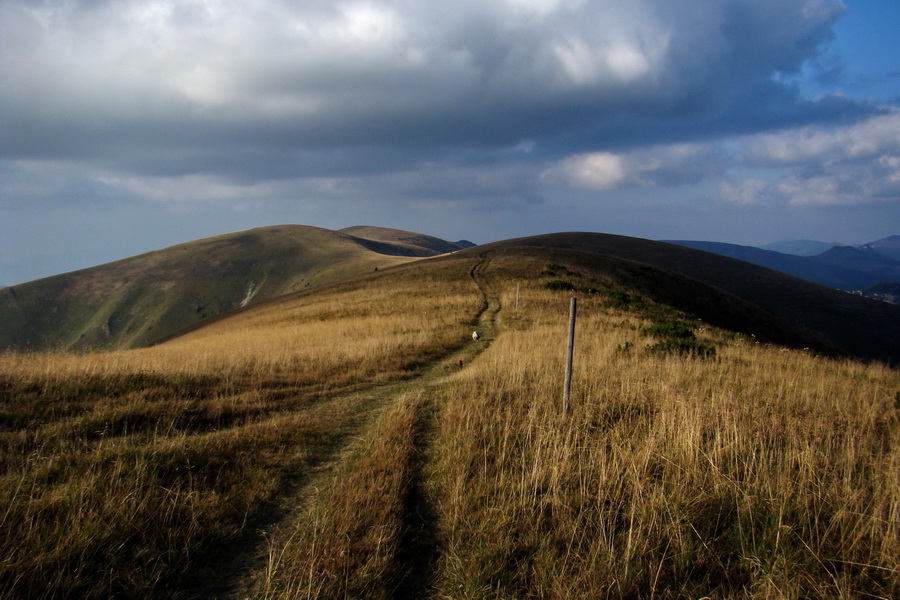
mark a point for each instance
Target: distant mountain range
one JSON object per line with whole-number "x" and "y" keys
{"x": 848, "y": 268}
{"x": 889, "y": 246}
{"x": 800, "y": 247}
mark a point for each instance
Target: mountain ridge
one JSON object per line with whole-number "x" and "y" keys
{"x": 144, "y": 299}
{"x": 859, "y": 326}
{"x": 137, "y": 300}
{"x": 800, "y": 247}
{"x": 889, "y": 246}
{"x": 415, "y": 244}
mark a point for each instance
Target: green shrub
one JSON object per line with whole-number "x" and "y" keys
{"x": 676, "y": 330}
{"x": 554, "y": 269}
{"x": 617, "y": 299}
{"x": 683, "y": 346}
{"x": 559, "y": 284}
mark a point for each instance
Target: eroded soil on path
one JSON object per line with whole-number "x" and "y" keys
{"x": 239, "y": 564}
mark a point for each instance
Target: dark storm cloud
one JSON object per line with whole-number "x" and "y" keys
{"x": 176, "y": 87}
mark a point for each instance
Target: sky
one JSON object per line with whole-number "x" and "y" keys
{"x": 131, "y": 125}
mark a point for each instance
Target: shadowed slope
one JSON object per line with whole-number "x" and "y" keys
{"x": 404, "y": 243}
{"x": 862, "y": 327}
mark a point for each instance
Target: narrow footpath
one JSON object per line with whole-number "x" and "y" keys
{"x": 353, "y": 412}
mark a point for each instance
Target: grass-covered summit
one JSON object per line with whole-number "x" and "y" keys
{"x": 139, "y": 300}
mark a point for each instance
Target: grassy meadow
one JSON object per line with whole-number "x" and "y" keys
{"x": 355, "y": 443}
{"x": 130, "y": 473}
{"x": 752, "y": 473}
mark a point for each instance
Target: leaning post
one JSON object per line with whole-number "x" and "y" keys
{"x": 568, "y": 385}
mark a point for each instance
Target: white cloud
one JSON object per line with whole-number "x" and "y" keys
{"x": 595, "y": 170}
{"x": 194, "y": 100}
{"x": 827, "y": 165}
{"x": 319, "y": 61}
{"x": 745, "y": 192}
{"x": 189, "y": 188}
{"x": 663, "y": 165}
{"x": 815, "y": 165}
{"x": 873, "y": 137}
{"x": 542, "y": 8}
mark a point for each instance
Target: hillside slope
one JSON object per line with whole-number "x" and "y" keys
{"x": 405, "y": 243}
{"x": 889, "y": 246}
{"x": 864, "y": 328}
{"x": 135, "y": 301}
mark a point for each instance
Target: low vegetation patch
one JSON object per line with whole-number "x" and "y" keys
{"x": 559, "y": 284}
{"x": 677, "y": 330}
{"x": 675, "y": 335}
{"x": 683, "y": 346}
{"x": 554, "y": 270}
{"x": 618, "y": 299}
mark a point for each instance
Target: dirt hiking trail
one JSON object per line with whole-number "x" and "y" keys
{"x": 234, "y": 569}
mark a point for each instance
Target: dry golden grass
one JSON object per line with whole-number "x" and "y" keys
{"x": 124, "y": 473}
{"x": 759, "y": 473}
{"x": 730, "y": 470}
{"x": 346, "y": 545}
{"x": 354, "y": 332}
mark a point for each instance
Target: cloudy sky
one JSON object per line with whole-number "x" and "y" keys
{"x": 131, "y": 125}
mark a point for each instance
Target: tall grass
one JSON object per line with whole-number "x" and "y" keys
{"x": 362, "y": 331}
{"x": 744, "y": 472}
{"x": 130, "y": 473}
{"x": 347, "y": 544}
{"x": 761, "y": 473}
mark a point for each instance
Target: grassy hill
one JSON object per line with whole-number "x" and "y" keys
{"x": 859, "y": 326}
{"x": 406, "y": 242}
{"x": 136, "y": 301}
{"x": 352, "y": 441}
{"x": 141, "y": 300}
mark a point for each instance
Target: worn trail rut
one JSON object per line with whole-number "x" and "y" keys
{"x": 419, "y": 542}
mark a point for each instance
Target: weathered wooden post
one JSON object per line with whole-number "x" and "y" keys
{"x": 569, "y": 352}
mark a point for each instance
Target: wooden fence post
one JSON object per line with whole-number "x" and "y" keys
{"x": 569, "y": 352}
